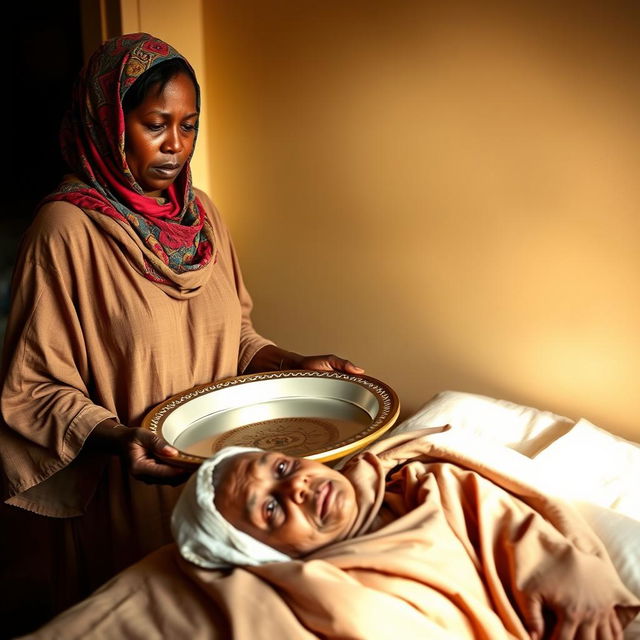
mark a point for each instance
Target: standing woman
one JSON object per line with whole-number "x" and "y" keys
{"x": 127, "y": 291}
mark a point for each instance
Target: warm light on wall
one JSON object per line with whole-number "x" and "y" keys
{"x": 447, "y": 195}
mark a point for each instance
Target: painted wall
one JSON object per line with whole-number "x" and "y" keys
{"x": 447, "y": 193}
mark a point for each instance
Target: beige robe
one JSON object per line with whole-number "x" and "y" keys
{"x": 442, "y": 550}
{"x": 90, "y": 338}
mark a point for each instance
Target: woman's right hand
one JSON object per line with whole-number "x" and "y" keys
{"x": 140, "y": 449}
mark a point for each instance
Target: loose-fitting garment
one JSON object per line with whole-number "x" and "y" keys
{"x": 443, "y": 548}
{"x": 90, "y": 338}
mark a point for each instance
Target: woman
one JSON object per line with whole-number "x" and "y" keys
{"x": 127, "y": 291}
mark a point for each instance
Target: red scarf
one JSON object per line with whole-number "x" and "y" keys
{"x": 175, "y": 234}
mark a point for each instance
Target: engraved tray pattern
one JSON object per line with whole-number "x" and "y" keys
{"x": 313, "y": 437}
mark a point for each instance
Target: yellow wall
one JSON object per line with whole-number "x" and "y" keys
{"x": 447, "y": 193}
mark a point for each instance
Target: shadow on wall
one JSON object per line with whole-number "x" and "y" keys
{"x": 47, "y": 57}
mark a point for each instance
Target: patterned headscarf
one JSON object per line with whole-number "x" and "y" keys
{"x": 175, "y": 236}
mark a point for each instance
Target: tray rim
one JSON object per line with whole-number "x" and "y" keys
{"x": 153, "y": 422}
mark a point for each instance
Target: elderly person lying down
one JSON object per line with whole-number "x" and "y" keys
{"x": 413, "y": 539}
{"x": 409, "y": 539}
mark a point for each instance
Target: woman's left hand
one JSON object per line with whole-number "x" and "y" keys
{"x": 144, "y": 453}
{"x": 272, "y": 358}
{"x": 329, "y": 362}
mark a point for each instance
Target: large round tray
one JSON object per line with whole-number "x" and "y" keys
{"x": 310, "y": 414}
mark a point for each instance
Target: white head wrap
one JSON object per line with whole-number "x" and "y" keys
{"x": 204, "y": 537}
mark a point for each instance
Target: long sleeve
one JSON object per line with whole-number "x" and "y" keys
{"x": 46, "y": 378}
{"x": 90, "y": 338}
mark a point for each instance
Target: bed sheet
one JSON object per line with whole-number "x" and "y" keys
{"x": 595, "y": 471}
{"x": 517, "y": 441}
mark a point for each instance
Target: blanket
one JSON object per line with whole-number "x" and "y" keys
{"x": 444, "y": 545}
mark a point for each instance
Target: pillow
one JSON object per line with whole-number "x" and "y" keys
{"x": 599, "y": 483}
{"x": 619, "y": 533}
{"x": 591, "y": 464}
{"x": 524, "y": 429}
{"x": 599, "y": 474}
{"x": 621, "y": 537}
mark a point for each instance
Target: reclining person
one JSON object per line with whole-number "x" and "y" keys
{"x": 249, "y": 506}
{"x": 477, "y": 553}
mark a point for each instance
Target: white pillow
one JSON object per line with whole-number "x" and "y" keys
{"x": 619, "y": 533}
{"x": 593, "y": 465}
{"x": 621, "y": 537}
{"x": 592, "y": 469}
{"x": 524, "y": 429}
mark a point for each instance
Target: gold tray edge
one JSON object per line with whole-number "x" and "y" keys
{"x": 352, "y": 447}
{"x": 191, "y": 462}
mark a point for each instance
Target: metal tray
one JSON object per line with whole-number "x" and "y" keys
{"x": 311, "y": 414}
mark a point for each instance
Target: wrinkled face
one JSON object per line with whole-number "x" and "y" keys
{"x": 160, "y": 133}
{"x": 290, "y": 504}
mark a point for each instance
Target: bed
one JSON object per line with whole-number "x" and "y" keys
{"x": 581, "y": 463}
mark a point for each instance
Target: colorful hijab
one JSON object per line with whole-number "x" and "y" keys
{"x": 173, "y": 238}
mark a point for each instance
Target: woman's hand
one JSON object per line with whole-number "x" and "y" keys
{"x": 272, "y": 358}
{"x": 329, "y": 363}
{"x": 141, "y": 450}
{"x": 580, "y": 603}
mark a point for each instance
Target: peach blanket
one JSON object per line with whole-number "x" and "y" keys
{"x": 444, "y": 545}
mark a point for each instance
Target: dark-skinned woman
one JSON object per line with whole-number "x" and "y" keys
{"x": 127, "y": 291}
